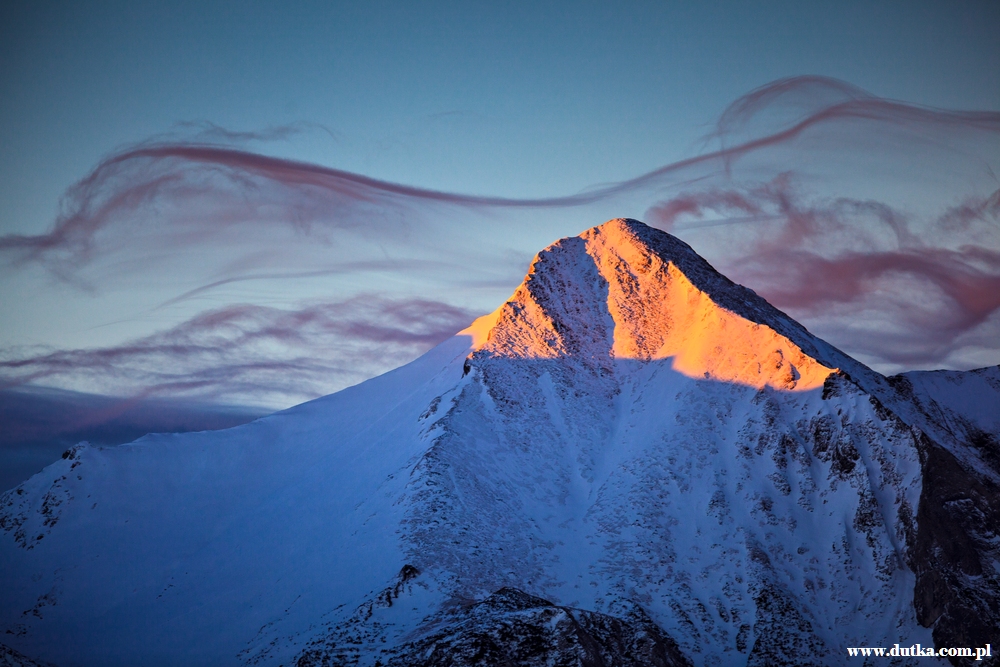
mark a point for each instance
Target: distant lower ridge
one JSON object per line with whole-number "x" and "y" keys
{"x": 11, "y": 658}
{"x": 512, "y": 628}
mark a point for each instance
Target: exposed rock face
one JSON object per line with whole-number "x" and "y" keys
{"x": 632, "y": 461}
{"x": 11, "y": 658}
{"x": 956, "y": 555}
{"x": 513, "y": 628}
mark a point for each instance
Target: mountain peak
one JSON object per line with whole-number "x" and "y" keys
{"x": 623, "y": 290}
{"x": 566, "y": 492}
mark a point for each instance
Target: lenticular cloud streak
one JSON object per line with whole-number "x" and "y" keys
{"x": 874, "y": 222}
{"x": 251, "y": 354}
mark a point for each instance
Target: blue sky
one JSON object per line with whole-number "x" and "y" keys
{"x": 164, "y": 274}
{"x": 515, "y": 99}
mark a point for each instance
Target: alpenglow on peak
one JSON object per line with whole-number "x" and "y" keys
{"x": 624, "y": 290}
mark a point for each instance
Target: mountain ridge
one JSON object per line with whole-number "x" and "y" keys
{"x": 631, "y": 437}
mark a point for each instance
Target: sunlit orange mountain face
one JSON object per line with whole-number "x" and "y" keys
{"x": 625, "y": 291}
{"x": 632, "y": 461}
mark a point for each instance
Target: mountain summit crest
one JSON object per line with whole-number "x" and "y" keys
{"x": 624, "y": 290}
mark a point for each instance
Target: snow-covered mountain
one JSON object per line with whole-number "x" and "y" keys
{"x": 633, "y": 461}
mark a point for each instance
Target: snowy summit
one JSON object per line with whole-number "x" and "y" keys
{"x": 633, "y": 461}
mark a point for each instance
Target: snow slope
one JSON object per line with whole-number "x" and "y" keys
{"x": 176, "y": 549}
{"x": 638, "y": 454}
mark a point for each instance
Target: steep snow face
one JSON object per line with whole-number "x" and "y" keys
{"x": 633, "y": 426}
{"x": 632, "y": 449}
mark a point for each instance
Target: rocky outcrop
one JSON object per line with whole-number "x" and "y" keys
{"x": 513, "y": 629}
{"x": 956, "y": 553}
{"x": 11, "y": 658}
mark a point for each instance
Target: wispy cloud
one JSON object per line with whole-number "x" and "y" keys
{"x": 252, "y": 354}
{"x": 910, "y": 295}
{"x": 873, "y": 221}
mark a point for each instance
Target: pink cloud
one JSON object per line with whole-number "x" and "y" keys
{"x": 783, "y": 203}
{"x": 252, "y": 353}
{"x": 841, "y": 255}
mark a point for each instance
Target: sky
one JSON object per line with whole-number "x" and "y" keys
{"x": 240, "y": 206}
